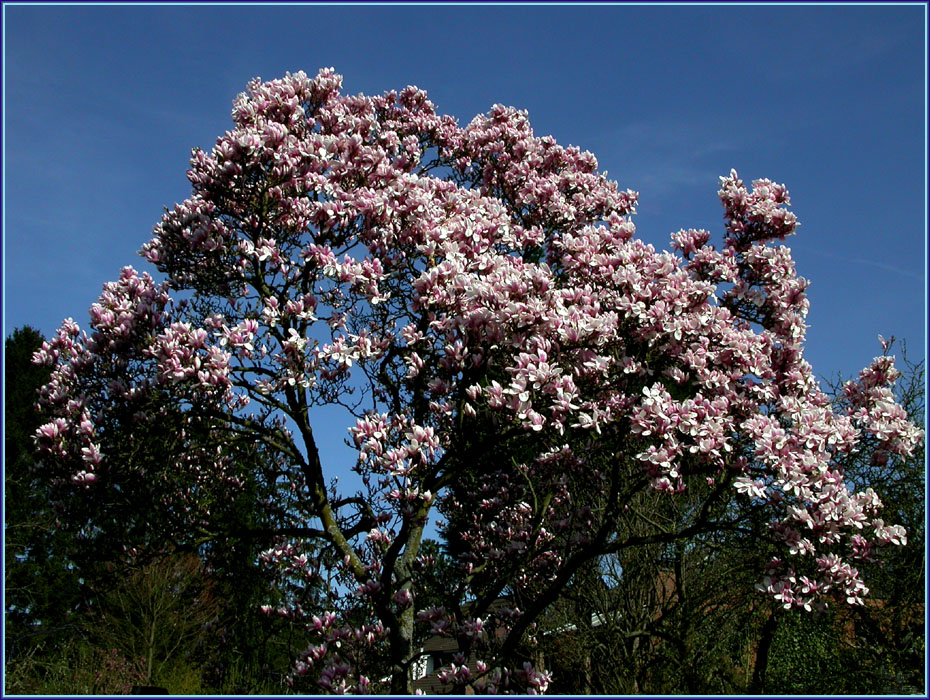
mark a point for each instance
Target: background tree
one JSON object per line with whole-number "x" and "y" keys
{"x": 878, "y": 647}
{"x": 60, "y": 583}
{"x": 158, "y": 612}
{"x": 42, "y": 589}
{"x": 889, "y": 647}
{"x": 509, "y": 352}
{"x": 668, "y": 617}
{"x": 687, "y": 619}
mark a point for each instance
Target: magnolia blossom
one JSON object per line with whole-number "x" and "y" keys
{"x": 513, "y": 356}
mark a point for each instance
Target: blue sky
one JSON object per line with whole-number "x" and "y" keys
{"x": 103, "y": 104}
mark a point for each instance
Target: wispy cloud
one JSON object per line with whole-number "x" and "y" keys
{"x": 865, "y": 261}
{"x": 661, "y": 156}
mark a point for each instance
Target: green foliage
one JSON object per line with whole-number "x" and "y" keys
{"x": 180, "y": 678}
{"x": 158, "y": 613}
{"x": 242, "y": 677}
{"x": 805, "y": 656}
{"x": 74, "y": 668}
{"x": 79, "y": 667}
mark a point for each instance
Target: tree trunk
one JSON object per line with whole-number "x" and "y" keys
{"x": 401, "y": 654}
{"x": 757, "y": 686}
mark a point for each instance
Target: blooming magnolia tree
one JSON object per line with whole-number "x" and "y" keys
{"x": 514, "y": 358}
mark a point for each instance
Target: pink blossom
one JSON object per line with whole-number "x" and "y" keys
{"x": 513, "y": 357}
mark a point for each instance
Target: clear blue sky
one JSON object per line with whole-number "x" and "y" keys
{"x": 103, "y": 104}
